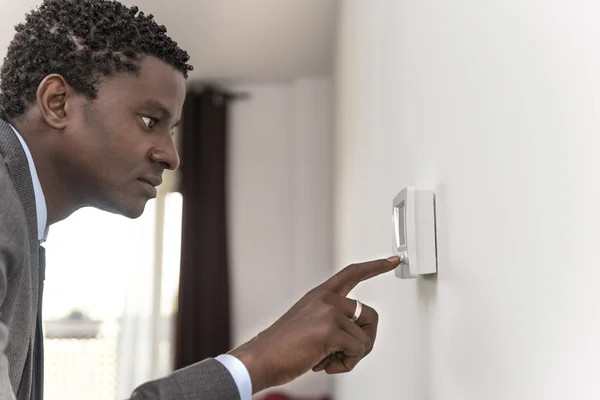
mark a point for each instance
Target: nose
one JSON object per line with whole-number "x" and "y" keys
{"x": 165, "y": 154}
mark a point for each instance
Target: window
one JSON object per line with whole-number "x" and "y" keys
{"x": 109, "y": 298}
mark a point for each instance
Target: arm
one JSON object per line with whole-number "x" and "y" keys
{"x": 12, "y": 238}
{"x": 206, "y": 380}
{"x": 321, "y": 332}
{"x": 316, "y": 333}
{"x": 6, "y": 390}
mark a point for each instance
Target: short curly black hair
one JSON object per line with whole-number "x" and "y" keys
{"x": 83, "y": 41}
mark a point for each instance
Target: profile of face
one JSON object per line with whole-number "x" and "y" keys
{"x": 116, "y": 147}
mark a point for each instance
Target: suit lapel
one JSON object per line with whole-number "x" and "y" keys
{"x": 18, "y": 169}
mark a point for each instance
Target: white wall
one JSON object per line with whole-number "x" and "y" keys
{"x": 249, "y": 40}
{"x": 496, "y": 106}
{"x": 12, "y": 12}
{"x": 280, "y": 204}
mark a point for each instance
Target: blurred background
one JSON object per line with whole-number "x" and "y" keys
{"x": 304, "y": 119}
{"x": 258, "y": 201}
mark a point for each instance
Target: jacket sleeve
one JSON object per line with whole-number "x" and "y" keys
{"x": 11, "y": 239}
{"x": 206, "y": 380}
{"x": 6, "y": 389}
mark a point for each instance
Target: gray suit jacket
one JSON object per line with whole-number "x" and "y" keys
{"x": 19, "y": 288}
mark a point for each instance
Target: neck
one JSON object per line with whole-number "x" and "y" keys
{"x": 59, "y": 201}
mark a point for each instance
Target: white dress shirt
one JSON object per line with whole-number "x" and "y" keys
{"x": 40, "y": 200}
{"x": 236, "y": 368}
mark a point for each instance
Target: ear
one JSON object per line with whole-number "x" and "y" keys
{"x": 52, "y": 100}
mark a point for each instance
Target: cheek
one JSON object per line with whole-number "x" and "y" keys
{"x": 115, "y": 145}
{"x": 110, "y": 157}
{"x": 126, "y": 154}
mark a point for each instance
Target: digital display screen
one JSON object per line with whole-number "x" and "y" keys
{"x": 400, "y": 224}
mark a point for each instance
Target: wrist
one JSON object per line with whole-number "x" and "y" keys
{"x": 252, "y": 358}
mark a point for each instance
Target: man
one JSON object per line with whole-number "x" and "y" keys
{"x": 90, "y": 93}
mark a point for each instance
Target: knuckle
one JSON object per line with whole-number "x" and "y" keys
{"x": 364, "y": 350}
{"x": 331, "y": 313}
{"x": 317, "y": 295}
{"x": 328, "y": 332}
{"x": 324, "y": 296}
{"x": 375, "y": 315}
{"x": 315, "y": 292}
{"x": 328, "y": 323}
{"x": 352, "y": 268}
{"x": 371, "y": 313}
{"x": 368, "y": 346}
{"x": 351, "y": 365}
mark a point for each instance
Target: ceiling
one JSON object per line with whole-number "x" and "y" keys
{"x": 250, "y": 39}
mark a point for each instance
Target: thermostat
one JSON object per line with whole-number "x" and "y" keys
{"x": 413, "y": 215}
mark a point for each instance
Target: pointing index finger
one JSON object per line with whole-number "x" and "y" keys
{"x": 345, "y": 280}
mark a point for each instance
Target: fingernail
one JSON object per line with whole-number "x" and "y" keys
{"x": 394, "y": 259}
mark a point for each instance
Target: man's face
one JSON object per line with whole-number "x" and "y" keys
{"x": 120, "y": 143}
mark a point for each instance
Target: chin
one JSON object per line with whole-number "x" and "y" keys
{"x": 131, "y": 211}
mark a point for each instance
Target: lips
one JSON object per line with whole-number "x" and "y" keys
{"x": 149, "y": 184}
{"x": 151, "y": 180}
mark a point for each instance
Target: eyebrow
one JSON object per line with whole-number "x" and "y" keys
{"x": 162, "y": 109}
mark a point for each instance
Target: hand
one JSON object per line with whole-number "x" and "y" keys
{"x": 316, "y": 333}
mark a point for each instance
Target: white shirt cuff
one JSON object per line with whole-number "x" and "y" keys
{"x": 240, "y": 375}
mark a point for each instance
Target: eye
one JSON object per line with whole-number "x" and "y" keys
{"x": 149, "y": 122}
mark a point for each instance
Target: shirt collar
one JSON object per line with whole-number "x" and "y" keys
{"x": 40, "y": 200}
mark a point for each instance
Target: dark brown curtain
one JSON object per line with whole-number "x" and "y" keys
{"x": 203, "y": 316}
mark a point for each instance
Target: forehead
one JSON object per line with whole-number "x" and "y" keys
{"x": 156, "y": 81}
